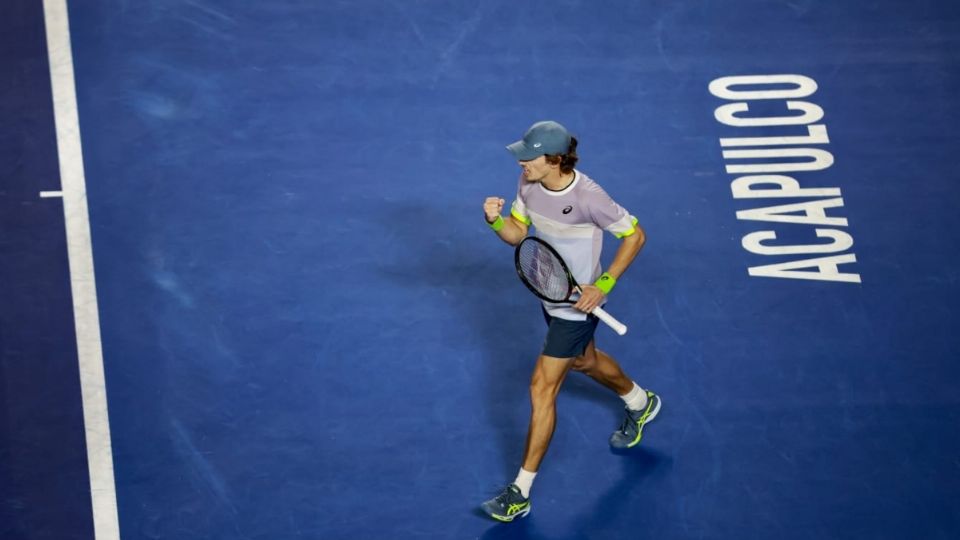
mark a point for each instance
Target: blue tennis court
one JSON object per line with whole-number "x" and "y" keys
{"x": 295, "y": 323}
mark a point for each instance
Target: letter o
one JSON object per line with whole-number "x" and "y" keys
{"x": 723, "y": 87}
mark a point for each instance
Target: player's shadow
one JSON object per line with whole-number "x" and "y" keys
{"x": 463, "y": 272}
{"x": 605, "y": 516}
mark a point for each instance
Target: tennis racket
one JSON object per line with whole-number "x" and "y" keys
{"x": 543, "y": 271}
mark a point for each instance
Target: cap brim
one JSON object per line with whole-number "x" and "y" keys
{"x": 523, "y": 152}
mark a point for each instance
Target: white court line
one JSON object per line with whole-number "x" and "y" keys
{"x": 50, "y": 194}
{"x": 80, "y": 254}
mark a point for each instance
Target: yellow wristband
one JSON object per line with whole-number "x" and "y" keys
{"x": 497, "y": 224}
{"x": 605, "y": 283}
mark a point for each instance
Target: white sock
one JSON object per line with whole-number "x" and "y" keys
{"x": 524, "y": 481}
{"x": 635, "y": 399}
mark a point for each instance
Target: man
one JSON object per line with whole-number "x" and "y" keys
{"x": 569, "y": 211}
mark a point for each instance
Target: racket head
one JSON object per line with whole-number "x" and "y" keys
{"x": 543, "y": 270}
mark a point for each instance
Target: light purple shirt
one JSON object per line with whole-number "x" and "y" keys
{"x": 572, "y": 221}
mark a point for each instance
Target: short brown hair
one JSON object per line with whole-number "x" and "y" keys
{"x": 567, "y": 161}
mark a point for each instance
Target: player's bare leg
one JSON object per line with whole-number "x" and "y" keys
{"x": 642, "y": 406}
{"x": 548, "y": 376}
{"x": 602, "y": 368}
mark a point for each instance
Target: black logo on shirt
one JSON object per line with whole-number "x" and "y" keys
{"x": 568, "y": 209}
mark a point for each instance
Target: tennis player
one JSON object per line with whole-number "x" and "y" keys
{"x": 569, "y": 211}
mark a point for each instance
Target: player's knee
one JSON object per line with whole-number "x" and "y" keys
{"x": 586, "y": 362}
{"x": 539, "y": 387}
{"x": 542, "y": 390}
{"x": 583, "y": 364}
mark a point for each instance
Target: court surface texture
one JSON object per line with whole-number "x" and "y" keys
{"x": 248, "y": 292}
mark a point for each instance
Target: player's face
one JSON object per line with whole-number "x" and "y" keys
{"x": 535, "y": 170}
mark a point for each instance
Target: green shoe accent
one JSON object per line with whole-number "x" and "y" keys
{"x": 631, "y": 430}
{"x": 508, "y": 505}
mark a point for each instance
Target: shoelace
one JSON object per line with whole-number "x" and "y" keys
{"x": 503, "y": 499}
{"x": 628, "y": 421}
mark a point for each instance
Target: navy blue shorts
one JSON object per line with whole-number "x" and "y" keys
{"x": 568, "y": 339}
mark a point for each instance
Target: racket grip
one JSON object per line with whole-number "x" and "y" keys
{"x": 608, "y": 319}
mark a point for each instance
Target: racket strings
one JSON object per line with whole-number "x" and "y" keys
{"x": 543, "y": 271}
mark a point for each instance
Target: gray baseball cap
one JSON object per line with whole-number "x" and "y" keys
{"x": 543, "y": 138}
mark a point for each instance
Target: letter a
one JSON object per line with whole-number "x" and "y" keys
{"x": 827, "y": 269}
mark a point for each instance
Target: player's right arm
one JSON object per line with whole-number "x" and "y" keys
{"x": 513, "y": 230}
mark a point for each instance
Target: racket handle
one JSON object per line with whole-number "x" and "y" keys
{"x": 608, "y": 319}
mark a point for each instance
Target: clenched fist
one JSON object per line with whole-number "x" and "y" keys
{"x": 492, "y": 207}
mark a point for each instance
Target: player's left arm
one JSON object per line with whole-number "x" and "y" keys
{"x": 630, "y": 246}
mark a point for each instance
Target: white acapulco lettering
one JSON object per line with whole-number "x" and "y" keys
{"x": 760, "y": 164}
